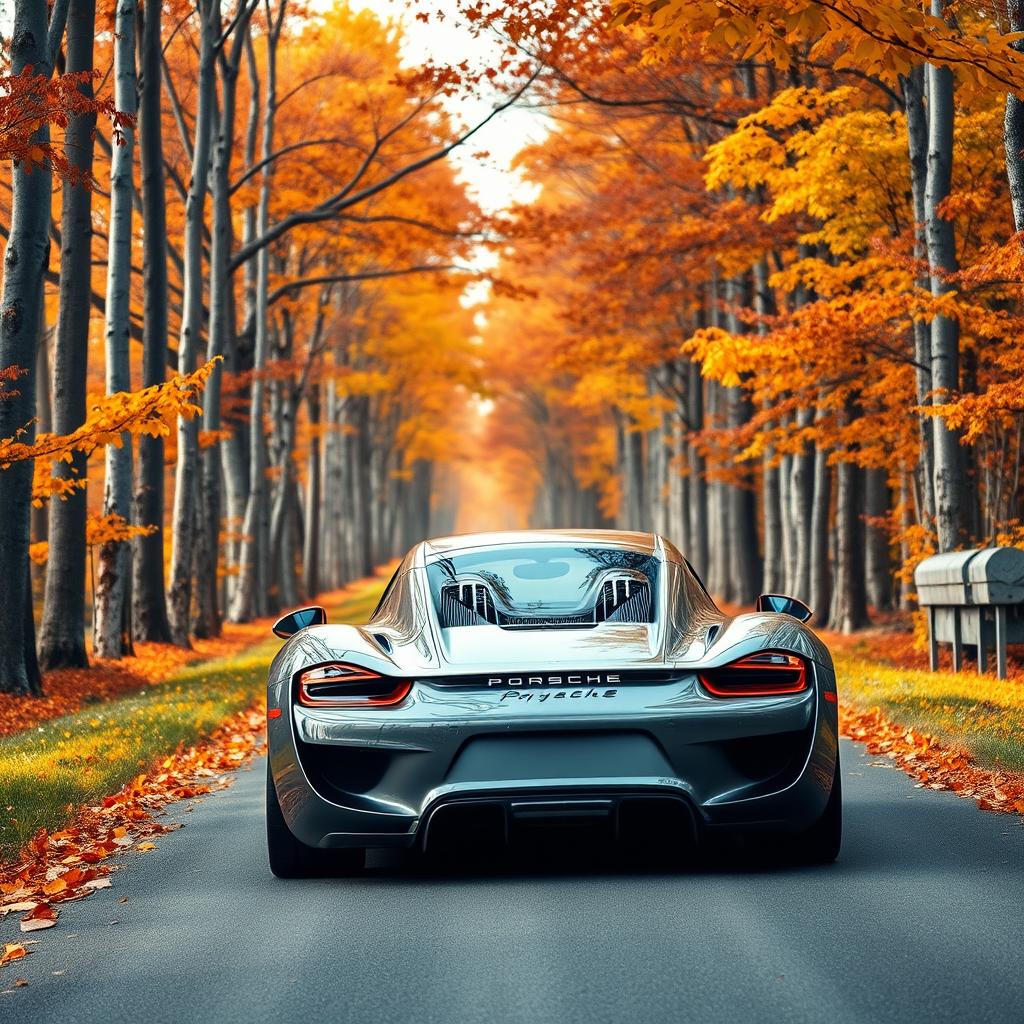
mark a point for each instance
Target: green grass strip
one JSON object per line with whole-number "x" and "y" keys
{"x": 48, "y": 772}
{"x": 980, "y": 714}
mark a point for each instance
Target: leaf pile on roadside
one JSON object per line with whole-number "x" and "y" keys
{"x": 72, "y": 864}
{"x": 934, "y": 764}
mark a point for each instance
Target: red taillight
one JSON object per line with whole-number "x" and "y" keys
{"x": 349, "y": 686}
{"x": 766, "y": 674}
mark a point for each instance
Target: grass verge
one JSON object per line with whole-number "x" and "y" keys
{"x": 981, "y": 715}
{"x": 46, "y": 773}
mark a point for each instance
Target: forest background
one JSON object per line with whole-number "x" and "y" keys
{"x": 755, "y": 285}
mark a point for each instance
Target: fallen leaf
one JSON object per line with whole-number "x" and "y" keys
{"x": 146, "y": 847}
{"x": 57, "y": 885}
{"x": 37, "y": 925}
{"x": 43, "y": 916}
{"x": 20, "y": 982}
{"x": 12, "y": 951}
{"x": 97, "y": 883}
{"x": 18, "y": 908}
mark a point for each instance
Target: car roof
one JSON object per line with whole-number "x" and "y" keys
{"x": 646, "y": 543}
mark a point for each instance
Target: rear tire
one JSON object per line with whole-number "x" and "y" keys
{"x": 290, "y": 858}
{"x": 820, "y": 843}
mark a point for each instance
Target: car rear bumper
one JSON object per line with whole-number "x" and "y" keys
{"x": 384, "y": 779}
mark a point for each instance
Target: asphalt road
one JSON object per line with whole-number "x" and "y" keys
{"x": 922, "y": 919}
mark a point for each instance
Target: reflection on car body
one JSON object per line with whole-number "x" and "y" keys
{"x": 546, "y": 668}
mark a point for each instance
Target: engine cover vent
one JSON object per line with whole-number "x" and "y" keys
{"x": 467, "y": 604}
{"x": 624, "y": 599}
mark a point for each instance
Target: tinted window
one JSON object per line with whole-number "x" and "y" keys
{"x": 545, "y": 579}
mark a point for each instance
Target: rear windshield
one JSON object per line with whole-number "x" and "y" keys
{"x": 544, "y": 585}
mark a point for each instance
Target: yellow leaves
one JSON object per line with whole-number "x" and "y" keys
{"x": 46, "y": 486}
{"x": 723, "y": 356}
{"x": 11, "y": 952}
{"x": 112, "y": 529}
{"x": 149, "y": 411}
{"x": 39, "y": 552}
{"x": 882, "y": 38}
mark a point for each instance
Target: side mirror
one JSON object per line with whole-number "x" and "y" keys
{"x": 783, "y": 605}
{"x": 288, "y": 625}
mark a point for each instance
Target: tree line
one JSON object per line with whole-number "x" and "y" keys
{"x": 234, "y": 259}
{"x": 766, "y": 300}
{"x": 771, "y": 285}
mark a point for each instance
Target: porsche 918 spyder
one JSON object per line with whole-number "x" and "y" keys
{"x": 508, "y": 682}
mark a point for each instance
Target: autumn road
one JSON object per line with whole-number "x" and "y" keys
{"x": 922, "y": 919}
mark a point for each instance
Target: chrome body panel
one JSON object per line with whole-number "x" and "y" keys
{"x": 613, "y": 708}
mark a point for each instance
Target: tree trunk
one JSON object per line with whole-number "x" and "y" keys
{"x": 878, "y": 564}
{"x": 787, "y": 540}
{"x": 44, "y": 424}
{"x": 850, "y": 611}
{"x": 179, "y": 598}
{"x": 917, "y": 144}
{"x": 772, "y": 526}
{"x": 698, "y": 510}
{"x": 149, "y": 602}
{"x": 25, "y": 265}
{"x": 744, "y": 555}
{"x": 251, "y": 597}
{"x": 239, "y": 355}
{"x": 311, "y": 532}
{"x": 1013, "y": 126}
{"x": 62, "y": 630}
{"x": 820, "y": 568}
{"x": 114, "y": 563}
{"x": 801, "y": 504}
{"x": 950, "y": 481}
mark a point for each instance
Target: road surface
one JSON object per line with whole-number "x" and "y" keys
{"x": 922, "y": 919}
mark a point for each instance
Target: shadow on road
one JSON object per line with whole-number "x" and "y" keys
{"x": 880, "y": 836}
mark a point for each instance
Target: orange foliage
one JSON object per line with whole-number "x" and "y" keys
{"x": 933, "y": 764}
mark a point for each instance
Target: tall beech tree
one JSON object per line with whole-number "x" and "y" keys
{"x": 35, "y": 39}
{"x": 62, "y": 630}
{"x": 149, "y": 604}
{"x": 179, "y": 600}
{"x": 112, "y": 624}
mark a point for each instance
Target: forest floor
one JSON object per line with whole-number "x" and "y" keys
{"x": 950, "y": 730}
{"x": 118, "y": 725}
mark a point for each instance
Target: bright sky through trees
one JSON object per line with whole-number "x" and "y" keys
{"x": 494, "y": 183}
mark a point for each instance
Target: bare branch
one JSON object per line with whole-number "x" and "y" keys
{"x": 286, "y": 290}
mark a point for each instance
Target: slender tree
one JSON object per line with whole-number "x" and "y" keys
{"x": 179, "y": 598}
{"x": 149, "y": 603}
{"x": 950, "y": 481}
{"x": 34, "y": 43}
{"x": 111, "y": 629}
{"x": 62, "y": 629}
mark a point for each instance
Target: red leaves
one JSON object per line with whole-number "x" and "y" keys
{"x": 43, "y": 915}
{"x": 12, "y": 951}
{"x": 933, "y": 764}
{"x": 68, "y": 865}
{"x": 67, "y": 690}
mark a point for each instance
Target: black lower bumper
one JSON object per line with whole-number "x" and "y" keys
{"x": 631, "y": 817}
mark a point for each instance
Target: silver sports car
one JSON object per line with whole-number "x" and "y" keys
{"x": 516, "y": 681}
